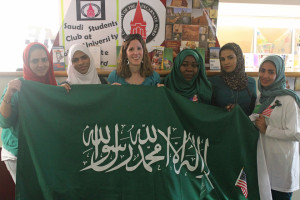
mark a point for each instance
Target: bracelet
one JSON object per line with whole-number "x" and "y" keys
{"x": 66, "y": 83}
{"x": 7, "y": 102}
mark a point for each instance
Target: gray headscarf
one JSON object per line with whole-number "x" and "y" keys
{"x": 269, "y": 93}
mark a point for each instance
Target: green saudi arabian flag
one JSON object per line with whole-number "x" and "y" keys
{"x": 103, "y": 142}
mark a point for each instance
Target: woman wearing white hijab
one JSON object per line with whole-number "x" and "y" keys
{"x": 81, "y": 66}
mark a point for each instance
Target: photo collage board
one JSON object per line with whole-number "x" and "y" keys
{"x": 191, "y": 24}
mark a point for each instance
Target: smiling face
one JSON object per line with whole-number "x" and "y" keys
{"x": 228, "y": 60}
{"x": 38, "y": 62}
{"x": 189, "y": 68}
{"x": 81, "y": 62}
{"x": 134, "y": 53}
{"x": 267, "y": 74}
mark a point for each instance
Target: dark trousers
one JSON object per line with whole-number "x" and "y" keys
{"x": 276, "y": 195}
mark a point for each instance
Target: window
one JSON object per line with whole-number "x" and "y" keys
{"x": 23, "y": 22}
{"x": 261, "y": 30}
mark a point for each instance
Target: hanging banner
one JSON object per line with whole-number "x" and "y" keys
{"x": 103, "y": 24}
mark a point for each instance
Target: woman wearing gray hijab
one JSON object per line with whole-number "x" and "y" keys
{"x": 277, "y": 119}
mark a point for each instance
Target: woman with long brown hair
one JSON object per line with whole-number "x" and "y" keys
{"x": 134, "y": 65}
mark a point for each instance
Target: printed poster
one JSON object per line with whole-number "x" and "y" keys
{"x": 100, "y": 24}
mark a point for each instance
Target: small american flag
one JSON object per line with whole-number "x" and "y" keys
{"x": 267, "y": 112}
{"x": 242, "y": 182}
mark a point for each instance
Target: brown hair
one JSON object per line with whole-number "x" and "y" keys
{"x": 123, "y": 68}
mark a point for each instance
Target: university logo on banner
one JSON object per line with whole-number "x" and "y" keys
{"x": 143, "y": 18}
{"x": 90, "y": 10}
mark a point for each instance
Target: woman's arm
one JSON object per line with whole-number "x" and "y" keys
{"x": 5, "y": 106}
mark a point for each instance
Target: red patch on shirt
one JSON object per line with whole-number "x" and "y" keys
{"x": 195, "y": 98}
